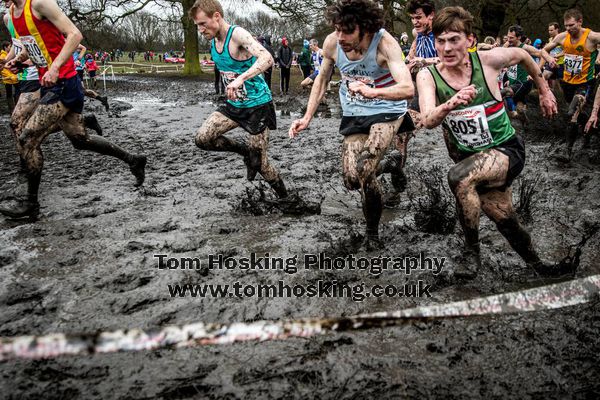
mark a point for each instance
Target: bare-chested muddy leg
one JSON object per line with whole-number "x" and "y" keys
{"x": 22, "y": 112}
{"x": 30, "y": 140}
{"x": 361, "y": 155}
{"x": 73, "y": 127}
{"x": 394, "y": 162}
{"x": 44, "y": 121}
{"x": 211, "y": 137}
{"x": 95, "y": 95}
{"x": 489, "y": 169}
{"x": 258, "y": 146}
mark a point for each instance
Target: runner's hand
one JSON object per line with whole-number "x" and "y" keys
{"x": 548, "y": 104}
{"x": 417, "y": 62}
{"x": 50, "y": 77}
{"x": 464, "y": 97}
{"x": 12, "y": 66}
{"x": 592, "y": 122}
{"x": 362, "y": 89}
{"x": 553, "y": 63}
{"x": 233, "y": 87}
{"x": 298, "y": 126}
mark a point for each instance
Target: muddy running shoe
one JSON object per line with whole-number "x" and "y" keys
{"x": 21, "y": 208}
{"x": 295, "y": 205}
{"x": 372, "y": 243}
{"x": 138, "y": 169}
{"x": 565, "y": 267}
{"x": 564, "y": 154}
{"x": 279, "y": 188}
{"x": 90, "y": 121}
{"x": 468, "y": 265}
{"x": 104, "y": 101}
{"x": 554, "y": 270}
{"x": 253, "y": 162}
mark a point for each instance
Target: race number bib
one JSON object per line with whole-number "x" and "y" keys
{"x": 573, "y": 64}
{"x": 18, "y": 46}
{"x": 512, "y": 72}
{"x": 353, "y": 97}
{"x": 227, "y": 77}
{"x": 35, "y": 53}
{"x": 470, "y": 126}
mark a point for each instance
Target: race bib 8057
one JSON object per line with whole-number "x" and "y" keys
{"x": 470, "y": 126}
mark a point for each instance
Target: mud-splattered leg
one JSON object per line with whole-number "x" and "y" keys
{"x": 258, "y": 145}
{"x": 31, "y": 138}
{"x": 361, "y": 155}
{"x": 95, "y": 95}
{"x": 21, "y": 114}
{"x": 572, "y": 131}
{"x": 72, "y": 125}
{"x": 210, "y": 137}
{"x": 497, "y": 205}
{"x": 488, "y": 169}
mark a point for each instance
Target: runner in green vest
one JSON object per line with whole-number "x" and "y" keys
{"x": 519, "y": 83}
{"x": 461, "y": 94}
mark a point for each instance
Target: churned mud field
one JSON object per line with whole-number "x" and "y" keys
{"x": 88, "y": 264}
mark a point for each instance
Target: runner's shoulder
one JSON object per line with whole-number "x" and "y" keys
{"x": 387, "y": 44}
{"x": 594, "y": 37}
{"x": 330, "y": 46}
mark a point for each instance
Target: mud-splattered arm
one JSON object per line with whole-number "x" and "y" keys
{"x": 389, "y": 51}
{"x": 593, "y": 121}
{"x": 243, "y": 39}
{"x": 432, "y": 115}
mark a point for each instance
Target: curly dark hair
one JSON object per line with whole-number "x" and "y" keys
{"x": 428, "y": 6}
{"x": 346, "y": 15}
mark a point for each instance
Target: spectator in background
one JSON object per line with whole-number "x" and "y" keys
{"x": 285, "y": 56}
{"x": 9, "y": 79}
{"x": 404, "y": 44}
{"x": 538, "y": 45}
{"x": 79, "y": 61}
{"x": 488, "y": 44}
{"x": 304, "y": 60}
{"x": 92, "y": 67}
{"x": 266, "y": 43}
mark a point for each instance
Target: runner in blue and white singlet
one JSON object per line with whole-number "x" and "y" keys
{"x": 373, "y": 92}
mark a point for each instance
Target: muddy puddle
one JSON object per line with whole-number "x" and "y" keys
{"x": 89, "y": 264}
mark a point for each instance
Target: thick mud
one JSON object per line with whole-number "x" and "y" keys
{"x": 88, "y": 264}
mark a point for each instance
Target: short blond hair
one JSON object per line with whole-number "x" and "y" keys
{"x": 210, "y": 7}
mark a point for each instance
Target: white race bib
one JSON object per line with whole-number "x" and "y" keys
{"x": 470, "y": 126}
{"x": 227, "y": 77}
{"x": 512, "y": 72}
{"x": 573, "y": 64}
{"x": 18, "y": 46}
{"x": 35, "y": 53}
{"x": 353, "y": 97}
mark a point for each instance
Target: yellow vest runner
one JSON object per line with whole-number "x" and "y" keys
{"x": 579, "y": 61}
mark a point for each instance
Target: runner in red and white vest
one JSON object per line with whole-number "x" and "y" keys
{"x": 49, "y": 39}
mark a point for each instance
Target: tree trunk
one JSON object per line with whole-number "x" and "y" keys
{"x": 190, "y": 39}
